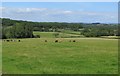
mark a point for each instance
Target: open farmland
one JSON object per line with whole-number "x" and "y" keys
{"x": 85, "y": 56}
{"x": 65, "y": 34}
{"x": 59, "y": 38}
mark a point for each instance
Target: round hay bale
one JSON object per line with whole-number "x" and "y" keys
{"x": 56, "y": 40}
{"x": 45, "y": 40}
{"x": 18, "y": 40}
{"x": 74, "y": 41}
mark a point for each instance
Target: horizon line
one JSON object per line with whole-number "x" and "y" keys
{"x": 60, "y": 22}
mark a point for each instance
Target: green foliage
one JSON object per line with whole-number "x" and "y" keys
{"x": 44, "y": 26}
{"x": 100, "y": 30}
{"x": 18, "y": 31}
{"x": 24, "y": 29}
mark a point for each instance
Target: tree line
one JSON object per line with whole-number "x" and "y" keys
{"x": 101, "y": 30}
{"x": 24, "y": 29}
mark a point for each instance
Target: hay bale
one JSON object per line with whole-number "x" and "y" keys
{"x": 56, "y": 40}
{"x": 74, "y": 41}
{"x": 8, "y": 40}
{"x": 18, "y": 40}
{"x": 45, "y": 40}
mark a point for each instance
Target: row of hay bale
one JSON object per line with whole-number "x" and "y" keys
{"x": 61, "y": 41}
{"x": 11, "y": 40}
{"x": 72, "y": 40}
{"x": 56, "y": 41}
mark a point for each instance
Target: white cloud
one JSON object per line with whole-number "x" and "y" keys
{"x": 67, "y": 12}
{"x": 31, "y": 9}
{"x": 2, "y": 8}
{"x": 44, "y": 14}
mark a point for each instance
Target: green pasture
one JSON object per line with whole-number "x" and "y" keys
{"x": 0, "y": 56}
{"x": 65, "y": 34}
{"x": 85, "y": 56}
{"x": 45, "y": 34}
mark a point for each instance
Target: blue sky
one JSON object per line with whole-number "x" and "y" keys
{"x": 104, "y": 12}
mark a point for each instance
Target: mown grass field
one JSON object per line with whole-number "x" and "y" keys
{"x": 85, "y": 56}
{"x": 65, "y": 34}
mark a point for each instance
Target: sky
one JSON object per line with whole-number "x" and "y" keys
{"x": 86, "y": 12}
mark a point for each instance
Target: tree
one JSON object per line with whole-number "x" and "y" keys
{"x": 19, "y": 30}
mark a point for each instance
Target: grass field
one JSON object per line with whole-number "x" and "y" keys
{"x": 65, "y": 34}
{"x": 0, "y": 57}
{"x": 45, "y": 34}
{"x": 85, "y": 56}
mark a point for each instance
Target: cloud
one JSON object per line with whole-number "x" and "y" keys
{"x": 67, "y": 12}
{"x": 57, "y": 15}
{"x": 31, "y": 9}
{"x": 2, "y": 8}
